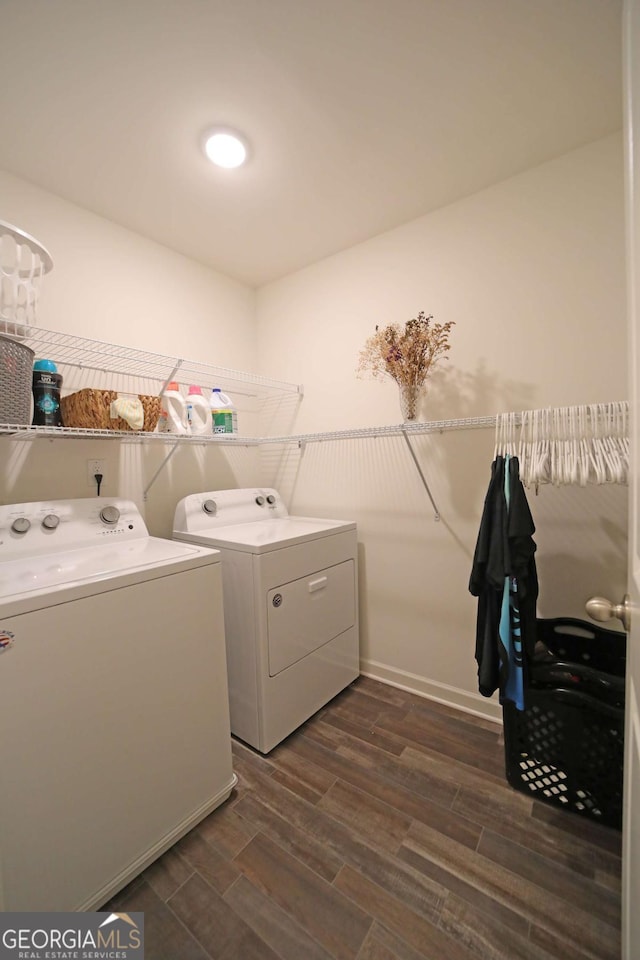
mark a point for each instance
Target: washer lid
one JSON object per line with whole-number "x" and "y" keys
{"x": 28, "y": 582}
{"x": 270, "y": 534}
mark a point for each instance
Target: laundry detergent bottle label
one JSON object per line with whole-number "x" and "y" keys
{"x": 222, "y": 421}
{"x": 223, "y": 413}
{"x": 46, "y": 394}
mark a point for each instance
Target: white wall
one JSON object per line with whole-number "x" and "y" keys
{"x": 110, "y": 284}
{"x": 531, "y": 271}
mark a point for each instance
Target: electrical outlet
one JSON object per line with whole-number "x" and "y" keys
{"x": 93, "y": 467}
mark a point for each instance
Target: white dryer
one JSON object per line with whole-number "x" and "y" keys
{"x": 290, "y": 606}
{"x": 114, "y": 718}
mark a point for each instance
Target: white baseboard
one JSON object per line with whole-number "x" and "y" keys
{"x": 432, "y": 690}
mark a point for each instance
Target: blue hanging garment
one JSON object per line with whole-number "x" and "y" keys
{"x": 510, "y": 631}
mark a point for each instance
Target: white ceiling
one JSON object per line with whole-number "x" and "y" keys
{"x": 361, "y": 114}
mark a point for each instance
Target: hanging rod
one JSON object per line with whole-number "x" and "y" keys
{"x": 413, "y": 428}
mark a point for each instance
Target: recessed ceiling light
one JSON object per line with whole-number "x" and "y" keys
{"x": 225, "y": 148}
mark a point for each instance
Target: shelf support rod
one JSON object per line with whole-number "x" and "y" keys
{"x": 422, "y": 476}
{"x": 159, "y": 470}
{"x": 172, "y": 376}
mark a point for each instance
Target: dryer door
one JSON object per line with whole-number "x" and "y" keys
{"x": 304, "y": 614}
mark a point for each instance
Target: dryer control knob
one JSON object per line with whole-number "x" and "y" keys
{"x": 20, "y": 525}
{"x": 260, "y": 501}
{"x": 271, "y": 499}
{"x": 51, "y": 521}
{"x": 209, "y": 506}
{"x": 110, "y": 515}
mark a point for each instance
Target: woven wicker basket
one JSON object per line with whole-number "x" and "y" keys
{"x": 91, "y": 410}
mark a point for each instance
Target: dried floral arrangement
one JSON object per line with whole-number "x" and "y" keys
{"x": 406, "y": 352}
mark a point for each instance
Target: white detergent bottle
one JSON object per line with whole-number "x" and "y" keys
{"x": 173, "y": 415}
{"x": 223, "y": 413}
{"x": 198, "y": 412}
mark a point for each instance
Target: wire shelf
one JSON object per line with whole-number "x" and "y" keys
{"x": 81, "y": 354}
{"x": 412, "y": 428}
{"x": 19, "y": 431}
{"x": 24, "y": 432}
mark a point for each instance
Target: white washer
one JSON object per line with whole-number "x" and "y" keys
{"x": 114, "y": 721}
{"x": 290, "y": 606}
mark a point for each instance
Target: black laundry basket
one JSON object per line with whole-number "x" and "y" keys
{"x": 582, "y": 642}
{"x": 566, "y": 747}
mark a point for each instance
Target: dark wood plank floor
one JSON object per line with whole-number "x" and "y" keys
{"x": 383, "y": 829}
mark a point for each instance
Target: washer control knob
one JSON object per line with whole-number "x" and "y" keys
{"x": 210, "y": 507}
{"x": 110, "y": 515}
{"x": 271, "y": 499}
{"x": 260, "y": 501}
{"x": 51, "y": 521}
{"x": 20, "y": 525}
